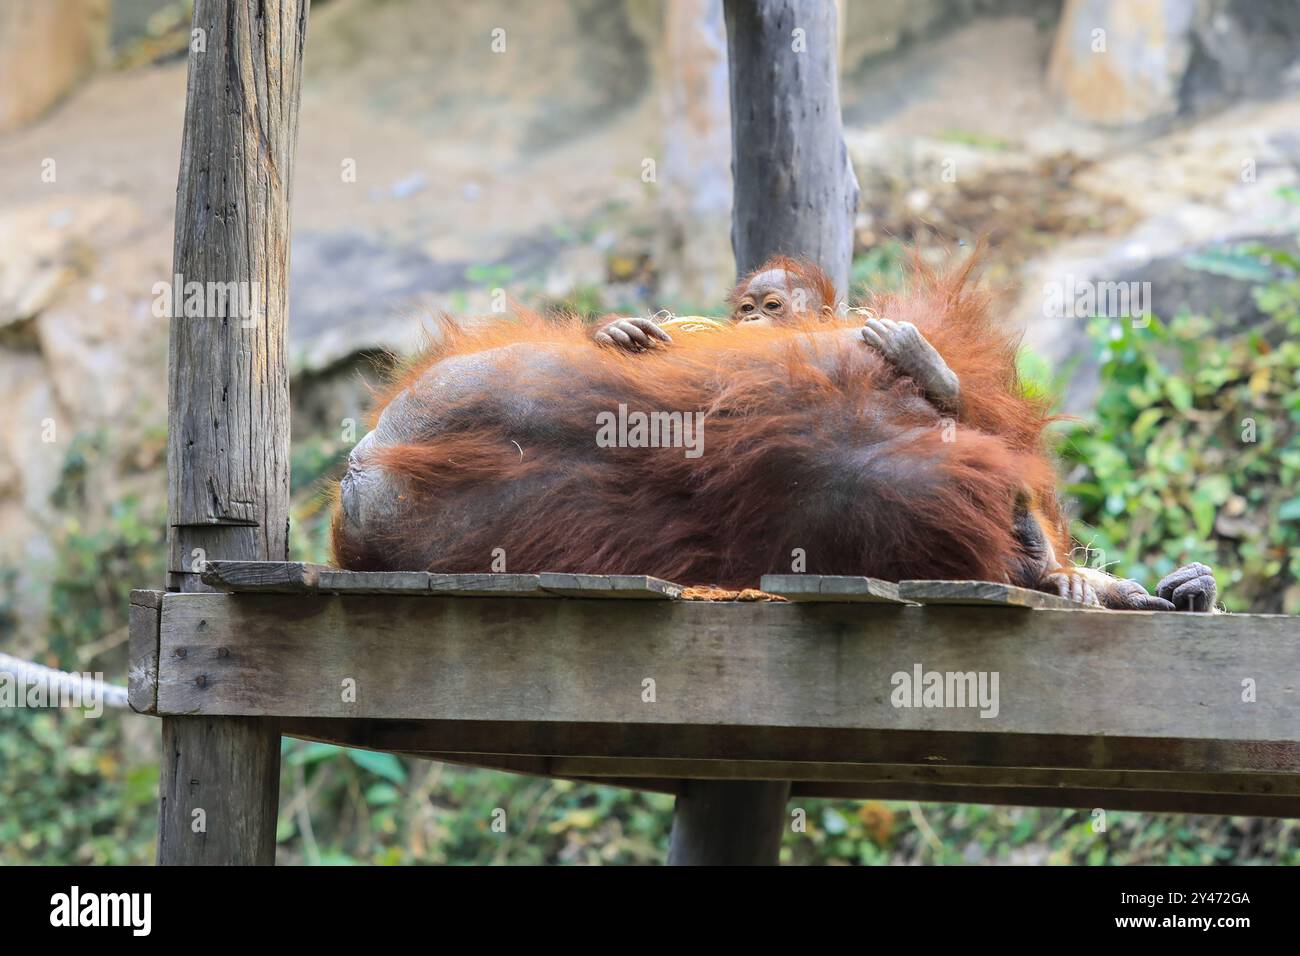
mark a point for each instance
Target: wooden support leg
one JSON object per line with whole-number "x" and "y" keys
{"x": 795, "y": 193}
{"x": 729, "y": 823}
{"x": 228, "y": 392}
{"x": 219, "y": 791}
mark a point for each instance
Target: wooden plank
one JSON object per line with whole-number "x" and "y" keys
{"x": 488, "y": 585}
{"x": 1118, "y": 674}
{"x": 142, "y": 651}
{"x": 537, "y": 767}
{"x": 844, "y": 589}
{"x": 1223, "y": 794}
{"x": 332, "y": 580}
{"x": 277, "y": 577}
{"x": 296, "y": 577}
{"x": 634, "y": 586}
{"x": 983, "y": 594}
{"x": 147, "y": 598}
{"x": 721, "y": 742}
{"x": 1260, "y": 784}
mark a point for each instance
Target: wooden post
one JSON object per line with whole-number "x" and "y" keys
{"x": 728, "y": 823}
{"x": 228, "y": 395}
{"x": 795, "y": 193}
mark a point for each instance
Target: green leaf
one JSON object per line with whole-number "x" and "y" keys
{"x": 1179, "y": 392}
{"x": 382, "y": 794}
{"x": 314, "y": 753}
{"x": 1215, "y": 488}
{"x": 1289, "y": 510}
{"x": 381, "y": 764}
{"x": 1147, "y": 420}
{"x": 1203, "y": 511}
{"x": 1232, "y": 262}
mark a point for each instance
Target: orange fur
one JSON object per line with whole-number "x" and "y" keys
{"x": 811, "y": 441}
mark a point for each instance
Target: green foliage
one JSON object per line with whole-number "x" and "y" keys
{"x": 352, "y": 806}
{"x": 69, "y": 791}
{"x": 1195, "y": 450}
{"x": 100, "y": 552}
{"x": 586, "y": 301}
{"x": 894, "y": 832}
{"x": 880, "y": 269}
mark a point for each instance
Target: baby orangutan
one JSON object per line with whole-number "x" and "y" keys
{"x": 782, "y": 292}
{"x": 785, "y": 291}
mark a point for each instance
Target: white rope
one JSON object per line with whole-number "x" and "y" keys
{"x": 80, "y": 686}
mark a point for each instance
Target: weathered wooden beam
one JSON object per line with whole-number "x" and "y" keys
{"x": 142, "y": 651}
{"x": 228, "y": 391}
{"x": 1250, "y": 794}
{"x": 228, "y": 395}
{"x": 820, "y": 666}
{"x": 465, "y": 585}
{"x": 538, "y": 767}
{"x": 982, "y": 594}
{"x": 219, "y": 791}
{"x": 633, "y": 586}
{"x": 867, "y": 774}
{"x": 295, "y": 577}
{"x": 271, "y": 577}
{"x": 1266, "y": 795}
{"x": 731, "y": 743}
{"x": 839, "y": 588}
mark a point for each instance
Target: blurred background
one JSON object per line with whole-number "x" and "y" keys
{"x": 586, "y": 166}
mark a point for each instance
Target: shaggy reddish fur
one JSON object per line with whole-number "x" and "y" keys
{"x": 824, "y": 449}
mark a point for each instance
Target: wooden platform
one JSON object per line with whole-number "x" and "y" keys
{"x": 627, "y": 684}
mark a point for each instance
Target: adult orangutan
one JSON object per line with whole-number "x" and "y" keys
{"x": 858, "y": 444}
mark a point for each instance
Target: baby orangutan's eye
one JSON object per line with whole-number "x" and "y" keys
{"x": 772, "y": 304}
{"x": 747, "y": 308}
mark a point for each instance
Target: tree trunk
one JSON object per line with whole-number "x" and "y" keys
{"x": 795, "y": 192}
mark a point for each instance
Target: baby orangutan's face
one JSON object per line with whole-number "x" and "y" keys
{"x": 768, "y": 300}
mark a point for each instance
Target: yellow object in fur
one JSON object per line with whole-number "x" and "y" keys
{"x": 691, "y": 323}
